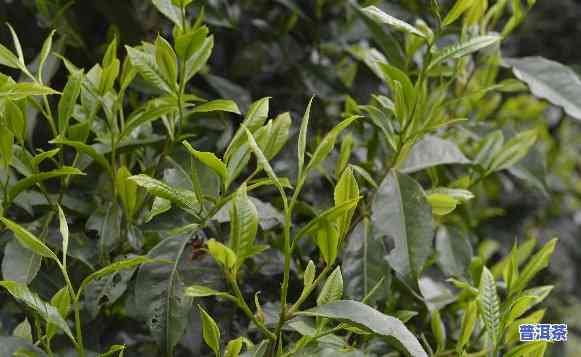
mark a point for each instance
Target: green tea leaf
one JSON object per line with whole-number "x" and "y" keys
{"x": 457, "y": 10}
{"x": 538, "y": 262}
{"x": 302, "y": 144}
{"x": 23, "y": 330}
{"x": 157, "y": 188}
{"x": 169, "y": 10}
{"x": 29, "y": 240}
{"x": 48, "y": 312}
{"x": 210, "y": 160}
{"x": 438, "y": 329}
{"x": 198, "y": 60}
{"x": 328, "y": 215}
{"x": 68, "y": 99}
{"x": 462, "y": 49}
{"x": 166, "y": 60}
{"x": 218, "y": 105}
{"x": 401, "y": 213}
{"x": 147, "y": 67}
{"x": 364, "y": 266}
{"x": 489, "y": 305}
{"x": 159, "y": 293}
{"x": 345, "y": 190}
{"x": 382, "y": 18}
{"x": 64, "y": 230}
{"x": 243, "y": 224}
{"x": 366, "y": 317}
{"x": 20, "y": 264}
{"x": 10, "y": 346}
{"x": 309, "y": 275}
{"x": 234, "y": 347}
{"x": 115, "y": 267}
{"x": 454, "y": 251}
{"x": 327, "y": 239}
{"x": 332, "y": 289}
{"x": 261, "y": 159}
{"x": 468, "y": 323}
{"x": 514, "y": 150}
{"x": 276, "y": 137}
{"x": 62, "y": 301}
{"x": 7, "y": 58}
{"x": 6, "y": 142}
{"x": 16, "y": 121}
{"x": 328, "y": 142}
{"x": 30, "y": 181}
{"x": 22, "y": 90}
{"x": 550, "y": 80}
{"x": 433, "y": 151}
{"x": 210, "y": 331}
{"x": 254, "y": 119}
{"x": 196, "y": 291}
{"x": 222, "y": 254}
{"x": 146, "y": 115}
{"x": 85, "y": 149}
{"x": 188, "y": 43}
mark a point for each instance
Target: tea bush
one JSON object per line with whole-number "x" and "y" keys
{"x": 392, "y": 216}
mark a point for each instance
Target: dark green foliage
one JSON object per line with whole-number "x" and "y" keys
{"x": 153, "y": 205}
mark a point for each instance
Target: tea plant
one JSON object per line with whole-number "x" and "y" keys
{"x": 367, "y": 245}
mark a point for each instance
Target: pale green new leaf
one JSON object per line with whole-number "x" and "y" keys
{"x": 327, "y": 239}
{"x": 210, "y": 160}
{"x": 332, "y": 289}
{"x": 218, "y": 105}
{"x": 328, "y": 215}
{"x": 222, "y": 254}
{"x": 261, "y": 159}
{"x": 169, "y": 10}
{"x": 489, "y": 305}
{"x": 514, "y": 150}
{"x": 381, "y": 17}
{"x": 7, "y": 58}
{"x": 328, "y": 142}
{"x": 210, "y": 331}
{"x": 189, "y": 43}
{"x": 64, "y": 230}
{"x": 157, "y": 188}
{"x": 166, "y": 60}
{"x": 22, "y": 90}
{"x": 462, "y": 49}
{"x": 468, "y": 323}
{"x": 146, "y": 115}
{"x": 68, "y": 99}
{"x": 147, "y": 67}
{"x": 457, "y": 10}
{"x": 243, "y": 224}
{"x": 254, "y": 119}
{"x": 345, "y": 190}
{"x": 538, "y": 262}
{"x": 302, "y": 144}
{"x": 197, "y": 291}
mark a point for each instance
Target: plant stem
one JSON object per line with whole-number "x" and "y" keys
{"x": 244, "y": 306}
{"x": 309, "y": 291}
{"x": 76, "y": 307}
